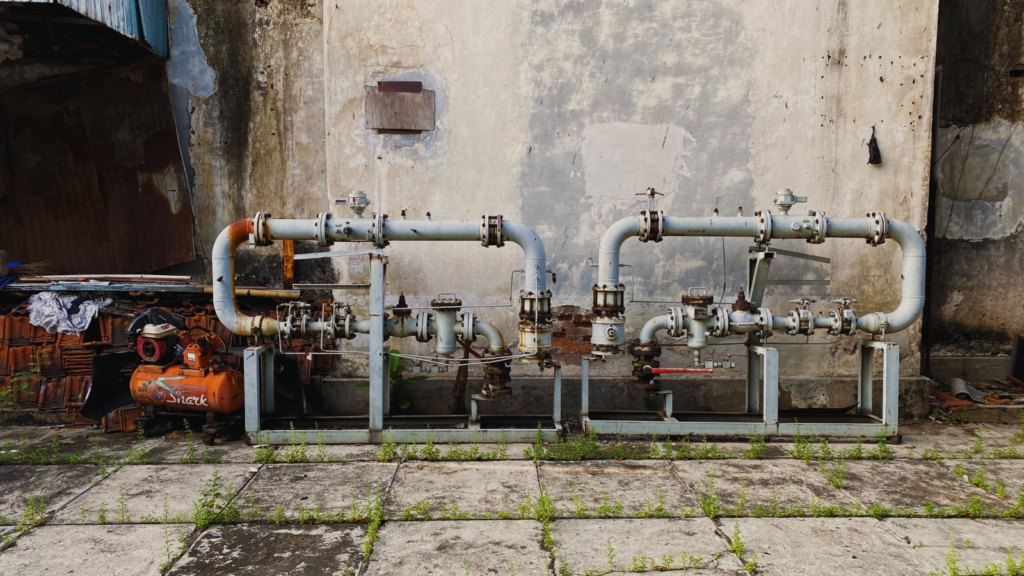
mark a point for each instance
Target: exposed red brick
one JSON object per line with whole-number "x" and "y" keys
{"x": 561, "y": 342}
{"x": 558, "y": 334}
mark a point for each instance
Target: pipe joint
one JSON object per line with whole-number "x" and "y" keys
{"x": 763, "y": 218}
{"x": 881, "y": 231}
{"x": 491, "y": 231}
{"x": 260, "y": 233}
{"x": 653, "y": 225}
{"x": 322, "y": 234}
{"x": 819, "y": 231}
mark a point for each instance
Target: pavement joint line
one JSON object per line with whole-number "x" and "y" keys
{"x": 913, "y": 550}
{"x": 366, "y": 561}
{"x": 196, "y": 533}
{"x": 51, "y": 515}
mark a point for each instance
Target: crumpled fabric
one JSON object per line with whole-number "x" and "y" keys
{"x": 68, "y": 314}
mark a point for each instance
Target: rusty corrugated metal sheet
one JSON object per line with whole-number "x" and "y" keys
{"x": 94, "y": 176}
{"x": 143, "y": 20}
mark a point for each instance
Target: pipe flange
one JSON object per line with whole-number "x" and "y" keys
{"x": 720, "y": 328}
{"x": 468, "y": 322}
{"x": 764, "y": 226}
{"x": 423, "y": 327}
{"x": 676, "y": 322}
{"x": 491, "y": 231}
{"x": 820, "y": 230}
{"x": 379, "y": 238}
{"x": 764, "y": 320}
{"x": 881, "y": 228}
{"x": 609, "y": 301}
{"x": 653, "y": 225}
{"x": 842, "y": 322}
{"x": 801, "y": 321}
{"x": 260, "y": 230}
{"x": 322, "y": 234}
{"x": 350, "y": 331}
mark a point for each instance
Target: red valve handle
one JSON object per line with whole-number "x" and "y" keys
{"x": 649, "y": 370}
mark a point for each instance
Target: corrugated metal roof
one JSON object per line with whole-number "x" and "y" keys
{"x": 143, "y": 20}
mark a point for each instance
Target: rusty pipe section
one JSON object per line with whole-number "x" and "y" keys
{"x": 224, "y": 302}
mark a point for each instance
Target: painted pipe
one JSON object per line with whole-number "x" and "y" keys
{"x": 351, "y": 230}
{"x": 495, "y": 343}
{"x": 788, "y": 227}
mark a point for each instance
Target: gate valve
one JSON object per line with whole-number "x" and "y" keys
{"x": 842, "y": 321}
{"x": 844, "y": 303}
{"x": 803, "y": 302}
{"x": 801, "y": 320}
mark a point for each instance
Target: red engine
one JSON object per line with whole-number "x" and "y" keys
{"x": 157, "y": 343}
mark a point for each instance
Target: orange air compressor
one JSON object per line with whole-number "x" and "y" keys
{"x": 202, "y": 378}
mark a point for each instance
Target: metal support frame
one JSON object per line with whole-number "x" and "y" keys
{"x": 259, "y": 391}
{"x": 763, "y": 399}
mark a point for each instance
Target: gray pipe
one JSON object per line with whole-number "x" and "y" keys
{"x": 350, "y": 230}
{"x": 786, "y": 227}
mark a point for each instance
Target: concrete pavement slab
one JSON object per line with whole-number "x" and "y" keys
{"x": 123, "y": 550}
{"x": 907, "y": 484}
{"x": 331, "y": 487}
{"x": 286, "y": 551}
{"x": 635, "y": 484}
{"x": 145, "y": 489}
{"x": 792, "y": 482}
{"x": 978, "y": 542}
{"x": 1011, "y": 472}
{"x": 833, "y": 546}
{"x": 583, "y": 545}
{"x": 947, "y": 438}
{"x": 449, "y": 548}
{"x": 479, "y": 488}
{"x": 55, "y": 484}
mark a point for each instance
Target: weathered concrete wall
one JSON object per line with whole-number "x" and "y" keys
{"x": 254, "y": 85}
{"x": 977, "y": 304}
{"x": 556, "y": 113}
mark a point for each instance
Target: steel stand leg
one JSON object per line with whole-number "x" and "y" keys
{"x": 890, "y": 381}
{"x": 753, "y": 377}
{"x": 258, "y": 387}
{"x": 768, "y": 362}
{"x": 378, "y": 361}
{"x": 557, "y": 409}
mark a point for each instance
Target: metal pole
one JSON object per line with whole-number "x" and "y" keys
{"x": 378, "y": 363}
{"x": 585, "y": 387}
{"x": 558, "y": 394}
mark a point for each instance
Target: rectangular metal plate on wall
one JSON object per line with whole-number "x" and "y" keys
{"x": 399, "y": 106}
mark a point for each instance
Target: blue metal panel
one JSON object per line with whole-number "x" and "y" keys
{"x": 143, "y": 20}
{"x": 154, "y": 24}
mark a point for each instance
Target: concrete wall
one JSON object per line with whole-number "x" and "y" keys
{"x": 556, "y": 113}
{"x": 976, "y": 303}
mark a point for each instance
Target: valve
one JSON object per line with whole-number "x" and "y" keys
{"x": 842, "y": 320}
{"x": 356, "y": 202}
{"x": 784, "y": 200}
{"x": 801, "y": 319}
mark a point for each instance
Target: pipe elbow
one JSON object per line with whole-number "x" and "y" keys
{"x": 533, "y": 248}
{"x": 611, "y": 244}
{"x": 652, "y": 327}
{"x": 224, "y": 303}
{"x": 495, "y": 342}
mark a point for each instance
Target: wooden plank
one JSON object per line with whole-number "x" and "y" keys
{"x": 399, "y": 110}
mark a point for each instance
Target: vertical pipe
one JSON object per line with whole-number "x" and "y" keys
{"x": 378, "y": 365}
{"x": 287, "y": 264}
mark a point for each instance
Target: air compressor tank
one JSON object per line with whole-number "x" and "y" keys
{"x": 183, "y": 388}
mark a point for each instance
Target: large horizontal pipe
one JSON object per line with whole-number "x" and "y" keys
{"x": 912, "y": 300}
{"x": 353, "y": 230}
